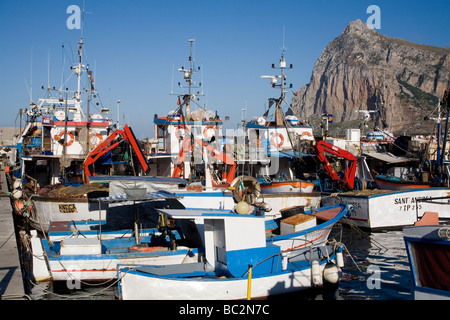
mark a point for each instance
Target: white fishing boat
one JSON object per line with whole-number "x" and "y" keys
{"x": 91, "y": 251}
{"x": 386, "y": 209}
{"x": 235, "y": 267}
{"x": 428, "y": 248}
{"x": 58, "y": 148}
{"x": 59, "y": 134}
{"x": 275, "y": 144}
{"x": 94, "y": 256}
{"x": 292, "y": 186}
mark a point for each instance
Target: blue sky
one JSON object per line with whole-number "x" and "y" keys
{"x": 133, "y": 46}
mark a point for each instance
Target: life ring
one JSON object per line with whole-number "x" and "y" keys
{"x": 305, "y": 133}
{"x": 61, "y": 134}
{"x": 178, "y": 135}
{"x": 273, "y": 141}
{"x": 93, "y": 136}
{"x": 207, "y": 131}
{"x": 245, "y": 188}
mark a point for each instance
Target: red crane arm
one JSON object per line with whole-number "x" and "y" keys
{"x": 216, "y": 154}
{"x": 350, "y": 170}
{"x": 104, "y": 147}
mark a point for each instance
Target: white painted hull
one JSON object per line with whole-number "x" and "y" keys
{"x": 285, "y": 200}
{"x": 138, "y": 286}
{"x": 102, "y": 267}
{"x": 386, "y": 209}
{"x": 48, "y": 210}
{"x": 206, "y": 199}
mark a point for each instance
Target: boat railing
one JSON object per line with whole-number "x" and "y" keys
{"x": 287, "y": 255}
{"x": 436, "y": 204}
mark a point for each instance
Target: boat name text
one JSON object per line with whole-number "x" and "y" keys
{"x": 408, "y": 203}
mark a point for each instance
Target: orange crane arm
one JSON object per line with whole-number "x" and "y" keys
{"x": 350, "y": 170}
{"x": 216, "y": 154}
{"x": 104, "y": 147}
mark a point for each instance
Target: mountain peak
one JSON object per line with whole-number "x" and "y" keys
{"x": 364, "y": 70}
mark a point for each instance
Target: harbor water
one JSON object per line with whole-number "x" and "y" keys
{"x": 376, "y": 268}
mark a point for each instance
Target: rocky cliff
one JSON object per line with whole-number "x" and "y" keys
{"x": 398, "y": 81}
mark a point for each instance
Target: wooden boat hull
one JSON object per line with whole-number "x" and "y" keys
{"x": 287, "y": 186}
{"x": 384, "y": 183}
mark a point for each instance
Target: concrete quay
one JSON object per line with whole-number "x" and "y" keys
{"x": 11, "y": 280}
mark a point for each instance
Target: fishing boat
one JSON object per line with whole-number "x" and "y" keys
{"x": 190, "y": 145}
{"x": 287, "y": 186}
{"x": 428, "y": 248}
{"x": 275, "y": 147}
{"x": 81, "y": 250}
{"x": 235, "y": 267}
{"x": 62, "y": 145}
{"x": 93, "y": 254}
{"x": 388, "y": 182}
{"x": 431, "y": 167}
{"x": 386, "y": 209}
{"x": 59, "y": 134}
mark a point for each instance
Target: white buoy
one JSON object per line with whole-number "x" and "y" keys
{"x": 17, "y": 193}
{"x": 331, "y": 273}
{"x": 242, "y": 207}
{"x": 340, "y": 259}
{"x": 17, "y": 184}
{"x": 190, "y": 257}
{"x": 316, "y": 274}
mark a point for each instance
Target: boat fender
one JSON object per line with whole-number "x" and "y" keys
{"x": 242, "y": 207}
{"x": 331, "y": 273}
{"x": 316, "y": 275}
{"x": 190, "y": 257}
{"x": 340, "y": 259}
{"x": 17, "y": 184}
{"x": 17, "y": 194}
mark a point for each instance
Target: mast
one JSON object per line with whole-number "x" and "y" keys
{"x": 274, "y": 81}
{"x": 187, "y": 75}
